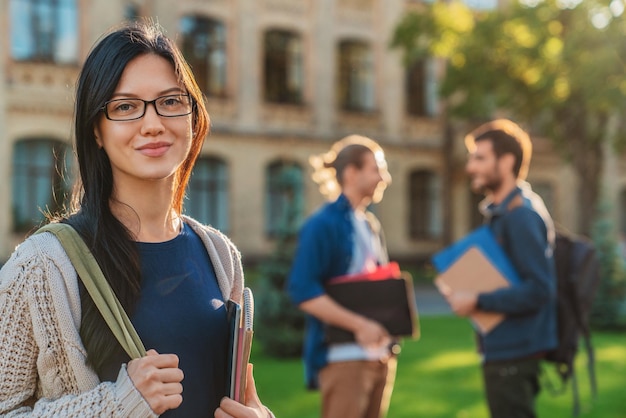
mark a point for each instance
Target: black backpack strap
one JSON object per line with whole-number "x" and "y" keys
{"x": 585, "y": 330}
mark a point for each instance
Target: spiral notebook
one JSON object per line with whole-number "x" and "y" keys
{"x": 241, "y": 321}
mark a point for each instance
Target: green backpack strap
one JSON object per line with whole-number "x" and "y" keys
{"x": 99, "y": 289}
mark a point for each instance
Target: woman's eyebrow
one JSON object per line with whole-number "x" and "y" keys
{"x": 171, "y": 90}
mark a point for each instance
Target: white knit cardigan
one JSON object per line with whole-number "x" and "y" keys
{"x": 43, "y": 369}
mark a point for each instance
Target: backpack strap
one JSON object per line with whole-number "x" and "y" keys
{"x": 98, "y": 287}
{"x": 583, "y": 327}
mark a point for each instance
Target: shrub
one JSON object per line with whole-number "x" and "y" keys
{"x": 607, "y": 311}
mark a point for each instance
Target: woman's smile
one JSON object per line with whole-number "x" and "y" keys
{"x": 154, "y": 149}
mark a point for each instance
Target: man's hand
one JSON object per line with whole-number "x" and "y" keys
{"x": 463, "y": 303}
{"x": 371, "y": 334}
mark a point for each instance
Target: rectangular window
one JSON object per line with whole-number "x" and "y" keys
{"x": 356, "y": 77}
{"x": 44, "y": 30}
{"x": 207, "y": 193}
{"x": 41, "y": 182}
{"x": 204, "y": 47}
{"x": 283, "y": 67}
{"x": 425, "y": 205}
{"x": 284, "y": 198}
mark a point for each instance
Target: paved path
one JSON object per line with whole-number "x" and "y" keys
{"x": 430, "y": 302}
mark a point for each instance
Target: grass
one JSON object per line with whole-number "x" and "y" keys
{"x": 439, "y": 376}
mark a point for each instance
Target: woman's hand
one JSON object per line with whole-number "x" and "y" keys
{"x": 157, "y": 377}
{"x": 253, "y": 407}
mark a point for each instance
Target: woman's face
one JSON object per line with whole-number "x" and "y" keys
{"x": 151, "y": 148}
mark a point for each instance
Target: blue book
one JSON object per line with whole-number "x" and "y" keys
{"x": 483, "y": 239}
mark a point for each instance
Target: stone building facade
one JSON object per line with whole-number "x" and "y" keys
{"x": 284, "y": 79}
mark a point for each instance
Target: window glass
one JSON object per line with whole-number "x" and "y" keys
{"x": 204, "y": 47}
{"x": 207, "y": 193}
{"x": 283, "y": 67}
{"x": 425, "y": 205}
{"x": 44, "y": 30}
{"x": 356, "y": 76}
{"x": 284, "y": 198}
{"x": 42, "y": 179}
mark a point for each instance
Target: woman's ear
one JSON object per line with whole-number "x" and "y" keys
{"x": 96, "y": 133}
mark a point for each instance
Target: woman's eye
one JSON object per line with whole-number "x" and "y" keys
{"x": 171, "y": 101}
{"x": 124, "y": 107}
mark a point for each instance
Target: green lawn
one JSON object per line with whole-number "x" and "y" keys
{"x": 438, "y": 376}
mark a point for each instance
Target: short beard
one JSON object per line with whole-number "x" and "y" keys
{"x": 491, "y": 186}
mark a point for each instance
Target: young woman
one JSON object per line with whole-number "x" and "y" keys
{"x": 140, "y": 124}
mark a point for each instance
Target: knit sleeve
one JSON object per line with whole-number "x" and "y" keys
{"x": 42, "y": 361}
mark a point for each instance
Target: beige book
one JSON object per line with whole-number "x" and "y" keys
{"x": 474, "y": 272}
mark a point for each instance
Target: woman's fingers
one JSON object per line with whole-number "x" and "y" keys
{"x": 157, "y": 377}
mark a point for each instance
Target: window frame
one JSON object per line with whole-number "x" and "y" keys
{"x": 283, "y": 201}
{"x": 284, "y": 84}
{"x": 210, "y": 66}
{"x": 209, "y": 191}
{"x": 29, "y": 174}
{"x": 356, "y": 76}
{"x": 44, "y": 31}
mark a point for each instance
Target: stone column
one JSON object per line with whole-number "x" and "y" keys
{"x": 249, "y": 47}
{"x": 391, "y": 86}
{"x": 324, "y": 66}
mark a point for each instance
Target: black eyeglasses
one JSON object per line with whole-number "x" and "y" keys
{"x": 131, "y": 109}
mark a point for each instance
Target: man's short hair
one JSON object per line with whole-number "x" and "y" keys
{"x": 328, "y": 168}
{"x": 506, "y": 137}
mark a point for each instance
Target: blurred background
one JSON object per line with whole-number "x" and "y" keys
{"x": 284, "y": 79}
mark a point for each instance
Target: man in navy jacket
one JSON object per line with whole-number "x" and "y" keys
{"x": 343, "y": 237}
{"x": 499, "y": 156}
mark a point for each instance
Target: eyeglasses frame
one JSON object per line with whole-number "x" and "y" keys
{"x": 103, "y": 109}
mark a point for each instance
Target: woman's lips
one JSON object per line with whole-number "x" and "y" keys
{"x": 156, "y": 149}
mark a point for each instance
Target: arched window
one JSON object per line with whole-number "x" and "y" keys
{"x": 283, "y": 67}
{"x": 204, "y": 47}
{"x": 42, "y": 180}
{"x": 356, "y": 76}
{"x": 44, "y": 30}
{"x": 284, "y": 198}
{"x": 207, "y": 193}
{"x": 425, "y": 205}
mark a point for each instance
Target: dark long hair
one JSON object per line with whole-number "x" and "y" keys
{"x": 109, "y": 240}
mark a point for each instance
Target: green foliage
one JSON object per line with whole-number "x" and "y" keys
{"x": 607, "y": 308}
{"x": 557, "y": 67}
{"x": 279, "y": 323}
{"x": 529, "y": 60}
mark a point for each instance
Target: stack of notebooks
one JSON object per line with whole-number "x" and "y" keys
{"x": 240, "y": 319}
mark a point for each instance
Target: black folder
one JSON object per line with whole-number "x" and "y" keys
{"x": 390, "y": 302}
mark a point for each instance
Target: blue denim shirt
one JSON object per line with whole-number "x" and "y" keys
{"x": 530, "y": 308}
{"x": 324, "y": 251}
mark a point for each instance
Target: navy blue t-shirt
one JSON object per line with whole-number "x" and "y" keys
{"x": 181, "y": 311}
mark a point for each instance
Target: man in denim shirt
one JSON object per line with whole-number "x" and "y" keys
{"x": 342, "y": 237}
{"x": 498, "y": 163}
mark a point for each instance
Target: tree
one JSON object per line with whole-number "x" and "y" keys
{"x": 556, "y": 65}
